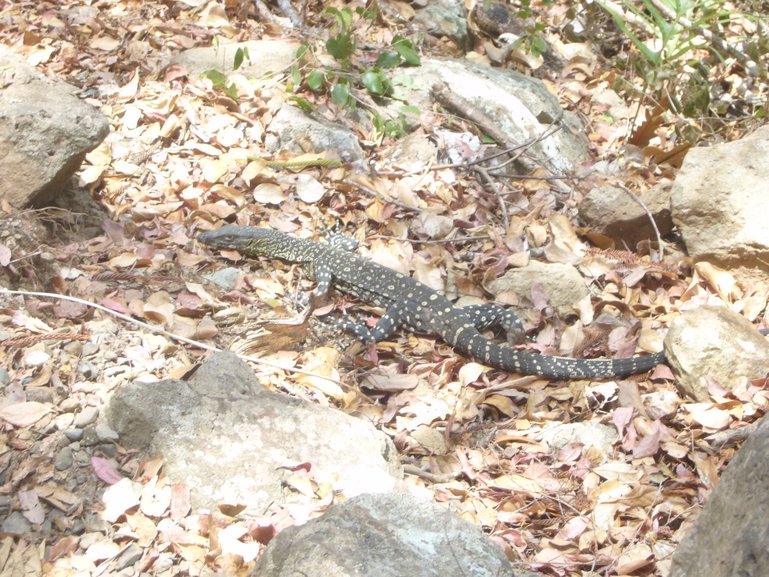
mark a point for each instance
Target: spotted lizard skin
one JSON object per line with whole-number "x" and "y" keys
{"x": 414, "y": 306}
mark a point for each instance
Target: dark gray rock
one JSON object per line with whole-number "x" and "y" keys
{"x": 45, "y": 132}
{"x": 233, "y": 441}
{"x": 386, "y": 535}
{"x": 731, "y": 534}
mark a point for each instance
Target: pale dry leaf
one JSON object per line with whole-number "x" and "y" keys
{"x": 180, "y": 501}
{"x": 324, "y": 361}
{"x": 470, "y": 372}
{"x": 102, "y": 550}
{"x": 269, "y": 193}
{"x": 155, "y": 498}
{"x": 427, "y": 273}
{"x": 31, "y": 507}
{"x": 5, "y": 255}
{"x": 143, "y": 527}
{"x": 390, "y": 382}
{"x": 518, "y": 483}
{"x": 24, "y": 414}
{"x": 123, "y": 260}
{"x": 309, "y": 189}
{"x": 105, "y": 43}
{"x": 708, "y": 415}
{"x": 431, "y": 439}
{"x": 504, "y": 404}
{"x": 128, "y": 91}
{"x": 720, "y": 280}
{"x": 229, "y": 539}
{"x": 213, "y": 169}
{"x": 119, "y": 498}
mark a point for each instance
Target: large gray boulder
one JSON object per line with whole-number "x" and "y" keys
{"x": 713, "y": 343}
{"x": 233, "y": 441}
{"x": 522, "y": 107}
{"x": 388, "y": 535}
{"x": 731, "y": 535}
{"x": 45, "y": 132}
{"x": 719, "y": 204}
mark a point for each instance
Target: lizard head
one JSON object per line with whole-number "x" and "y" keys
{"x": 249, "y": 240}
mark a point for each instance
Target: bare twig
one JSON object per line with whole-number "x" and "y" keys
{"x": 648, "y": 212}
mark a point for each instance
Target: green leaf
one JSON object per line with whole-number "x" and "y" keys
{"x": 538, "y": 45}
{"x": 341, "y": 47}
{"x": 240, "y": 55}
{"x": 296, "y": 76}
{"x": 346, "y": 18}
{"x": 410, "y": 109}
{"x": 405, "y": 48}
{"x": 376, "y": 82}
{"x": 315, "y": 80}
{"x": 301, "y": 103}
{"x": 367, "y": 14}
{"x": 217, "y": 78}
{"x": 301, "y": 51}
{"x": 388, "y": 59}
{"x": 340, "y": 94}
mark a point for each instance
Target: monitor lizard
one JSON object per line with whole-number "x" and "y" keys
{"x": 412, "y": 305}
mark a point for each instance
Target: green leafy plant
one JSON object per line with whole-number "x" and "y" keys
{"x": 340, "y": 83}
{"x": 666, "y": 33}
{"x": 219, "y": 79}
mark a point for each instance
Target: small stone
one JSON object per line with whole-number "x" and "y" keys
{"x": 105, "y": 434}
{"x": 36, "y": 356}
{"x": 69, "y": 405}
{"x": 40, "y": 394}
{"x": 63, "y": 421}
{"x": 5, "y": 378}
{"x": 128, "y": 557}
{"x": 85, "y": 417}
{"x": 89, "y": 349}
{"x": 74, "y": 348}
{"x": 87, "y": 369}
{"x": 74, "y": 434}
{"x": 90, "y": 439}
{"x": 15, "y": 523}
{"x": 225, "y": 277}
{"x": 63, "y": 460}
{"x": 107, "y": 449}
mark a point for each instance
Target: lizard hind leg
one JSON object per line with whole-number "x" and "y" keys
{"x": 493, "y": 316}
{"x": 385, "y": 326}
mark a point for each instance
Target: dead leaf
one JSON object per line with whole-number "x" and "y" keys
{"x": 119, "y": 498}
{"x": 105, "y": 470}
{"x": 308, "y": 189}
{"x": 31, "y": 507}
{"x": 24, "y": 414}
{"x": 269, "y": 193}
